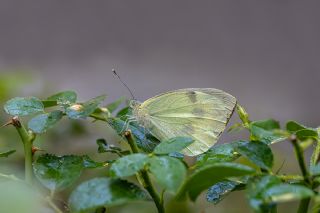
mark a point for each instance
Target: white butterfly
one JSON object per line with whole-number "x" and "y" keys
{"x": 199, "y": 113}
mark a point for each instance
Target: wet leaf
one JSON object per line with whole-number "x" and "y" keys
{"x": 128, "y": 165}
{"x": 219, "y": 153}
{"x": 176, "y": 155}
{"x": 209, "y": 175}
{"x": 256, "y": 189}
{"x": 91, "y": 164}
{"x": 65, "y": 98}
{"x": 265, "y": 131}
{"x": 171, "y": 145}
{"x": 257, "y": 152}
{"x": 288, "y": 192}
{"x": 82, "y": 111}
{"x": 23, "y": 106}
{"x": 219, "y": 191}
{"x": 57, "y": 173}
{"x": 103, "y": 192}
{"x": 168, "y": 172}
{"x": 41, "y": 123}
{"x": 263, "y": 192}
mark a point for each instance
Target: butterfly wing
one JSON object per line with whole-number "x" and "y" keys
{"x": 201, "y": 114}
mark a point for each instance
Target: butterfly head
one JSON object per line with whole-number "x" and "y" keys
{"x": 134, "y": 104}
{"x": 140, "y": 114}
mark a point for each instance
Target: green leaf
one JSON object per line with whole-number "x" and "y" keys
{"x": 88, "y": 163}
{"x": 123, "y": 113}
{"x": 115, "y": 105}
{"x": 219, "y": 191}
{"x": 104, "y": 147}
{"x": 264, "y": 191}
{"x": 145, "y": 141}
{"x": 257, "y": 152}
{"x": 169, "y": 172}
{"x": 23, "y": 106}
{"x": 128, "y": 165}
{"x": 57, "y": 173}
{"x": 256, "y": 189}
{"x": 103, "y": 192}
{"x": 288, "y": 192}
{"x": 41, "y": 123}
{"x": 306, "y": 134}
{"x": 264, "y": 131}
{"x": 175, "y": 144}
{"x": 81, "y": 111}
{"x": 268, "y": 124}
{"x": 293, "y": 126}
{"x": 47, "y": 104}
{"x": 219, "y": 153}
{"x": 65, "y": 98}
{"x": 6, "y": 154}
{"x": 209, "y": 175}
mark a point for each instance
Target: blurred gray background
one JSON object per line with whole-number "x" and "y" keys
{"x": 265, "y": 53}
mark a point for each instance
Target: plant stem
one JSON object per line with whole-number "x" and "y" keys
{"x": 316, "y": 154}
{"x": 52, "y": 205}
{"x": 27, "y": 140}
{"x": 300, "y": 158}
{"x": 145, "y": 176}
{"x": 304, "y": 204}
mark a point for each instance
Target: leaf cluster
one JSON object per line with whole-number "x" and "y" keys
{"x": 219, "y": 171}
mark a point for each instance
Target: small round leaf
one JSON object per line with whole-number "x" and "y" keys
{"x": 43, "y": 122}
{"x": 100, "y": 192}
{"x": 169, "y": 172}
{"x": 128, "y": 165}
{"x": 57, "y": 173}
{"x": 23, "y": 106}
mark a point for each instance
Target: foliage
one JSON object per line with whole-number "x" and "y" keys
{"x": 137, "y": 174}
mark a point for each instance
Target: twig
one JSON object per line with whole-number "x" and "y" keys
{"x": 145, "y": 176}
{"x": 304, "y": 204}
{"x": 27, "y": 140}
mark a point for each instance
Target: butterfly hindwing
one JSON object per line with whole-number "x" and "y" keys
{"x": 201, "y": 114}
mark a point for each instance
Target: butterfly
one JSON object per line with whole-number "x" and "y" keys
{"x": 199, "y": 113}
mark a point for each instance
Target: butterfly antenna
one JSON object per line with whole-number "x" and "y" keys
{"x": 124, "y": 84}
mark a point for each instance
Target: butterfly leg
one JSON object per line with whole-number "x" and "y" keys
{"x": 126, "y": 124}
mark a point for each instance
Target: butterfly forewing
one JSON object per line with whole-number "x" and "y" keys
{"x": 198, "y": 113}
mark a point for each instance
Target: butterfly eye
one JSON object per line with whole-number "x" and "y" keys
{"x": 133, "y": 104}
